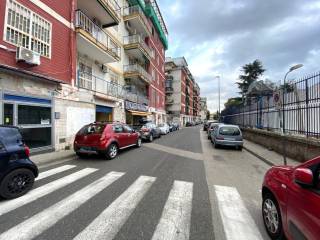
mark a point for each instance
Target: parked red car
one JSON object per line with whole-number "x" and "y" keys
{"x": 291, "y": 201}
{"x": 105, "y": 139}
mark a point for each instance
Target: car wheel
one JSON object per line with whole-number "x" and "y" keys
{"x": 16, "y": 183}
{"x": 209, "y": 137}
{"x": 151, "y": 138}
{"x": 215, "y": 145}
{"x": 272, "y": 217}
{"x": 239, "y": 148}
{"x": 139, "y": 143}
{"x": 112, "y": 151}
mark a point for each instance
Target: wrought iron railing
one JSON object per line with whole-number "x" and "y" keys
{"x": 85, "y": 23}
{"x": 300, "y": 104}
{"x": 137, "y": 10}
{"x": 137, "y": 98}
{"x": 136, "y": 68}
{"x": 137, "y": 39}
{"x": 115, "y": 7}
{"x": 99, "y": 85}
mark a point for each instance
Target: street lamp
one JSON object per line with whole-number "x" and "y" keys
{"x": 218, "y": 77}
{"x": 295, "y": 67}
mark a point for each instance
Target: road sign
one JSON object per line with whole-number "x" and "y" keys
{"x": 277, "y": 99}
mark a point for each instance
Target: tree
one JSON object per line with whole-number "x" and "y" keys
{"x": 208, "y": 115}
{"x": 251, "y": 72}
{"x": 233, "y": 102}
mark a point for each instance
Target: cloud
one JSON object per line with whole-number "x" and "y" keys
{"x": 217, "y": 37}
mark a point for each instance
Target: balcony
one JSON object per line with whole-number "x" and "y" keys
{"x": 137, "y": 98}
{"x": 94, "y": 42}
{"x": 99, "y": 85}
{"x": 137, "y": 48}
{"x": 169, "y": 89}
{"x": 136, "y": 71}
{"x": 107, "y": 11}
{"x": 169, "y": 101}
{"x": 136, "y": 21}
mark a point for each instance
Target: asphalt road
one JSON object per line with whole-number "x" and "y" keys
{"x": 177, "y": 187}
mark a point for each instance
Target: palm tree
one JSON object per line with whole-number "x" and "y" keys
{"x": 251, "y": 72}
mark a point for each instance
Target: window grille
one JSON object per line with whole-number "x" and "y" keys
{"x": 27, "y": 29}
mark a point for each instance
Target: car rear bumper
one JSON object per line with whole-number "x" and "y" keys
{"x": 229, "y": 143}
{"x": 145, "y": 136}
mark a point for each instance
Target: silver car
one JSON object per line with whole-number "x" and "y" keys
{"x": 227, "y": 135}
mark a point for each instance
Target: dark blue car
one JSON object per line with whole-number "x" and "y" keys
{"x": 17, "y": 171}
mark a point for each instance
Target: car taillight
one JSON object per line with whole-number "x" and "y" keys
{"x": 27, "y": 150}
{"x": 145, "y": 129}
{"x": 220, "y": 138}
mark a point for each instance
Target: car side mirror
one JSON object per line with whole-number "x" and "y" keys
{"x": 133, "y": 131}
{"x": 303, "y": 177}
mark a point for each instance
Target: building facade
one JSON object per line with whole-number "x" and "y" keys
{"x": 182, "y": 92}
{"x": 65, "y": 65}
{"x": 203, "y": 108}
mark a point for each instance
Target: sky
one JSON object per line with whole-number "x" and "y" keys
{"x": 217, "y": 37}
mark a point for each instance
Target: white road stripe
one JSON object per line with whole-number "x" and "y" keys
{"x": 176, "y": 215}
{"x": 40, "y": 222}
{"x": 109, "y": 222}
{"x": 9, "y": 205}
{"x": 54, "y": 171}
{"x": 237, "y": 221}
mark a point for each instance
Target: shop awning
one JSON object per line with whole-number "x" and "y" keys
{"x": 103, "y": 109}
{"x": 137, "y": 113}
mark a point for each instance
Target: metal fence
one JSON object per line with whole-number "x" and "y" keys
{"x": 299, "y": 102}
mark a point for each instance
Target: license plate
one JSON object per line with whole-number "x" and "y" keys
{"x": 86, "y": 149}
{"x": 229, "y": 139}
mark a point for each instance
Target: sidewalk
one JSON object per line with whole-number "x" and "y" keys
{"x": 53, "y": 157}
{"x": 270, "y": 157}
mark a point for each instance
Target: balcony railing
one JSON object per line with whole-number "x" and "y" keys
{"x": 99, "y": 85}
{"x": 136, "y": 10}
{"x": 169, "y": 89}
{"x": 137, "y": 69}
{"x": 85, "y": 23}
{"x": 114, "y": 6}
{"x": 137, "y": 39}
{"x": 137, "y": 98}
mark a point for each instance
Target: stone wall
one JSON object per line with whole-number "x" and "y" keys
{"x": 298, "y": 148}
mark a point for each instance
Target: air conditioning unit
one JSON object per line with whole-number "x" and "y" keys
{"x": 104, "y": 68}
{"x": 27, "y": 56}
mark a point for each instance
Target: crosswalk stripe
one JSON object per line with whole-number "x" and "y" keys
{"x": 237, "y": 221}
{"x": 54, "y": 171}
{"x": 9, "y": 205}
{"x": 40, "y": 222}
{"x": 176, "y": 215}
{"x": 109, "y": 222}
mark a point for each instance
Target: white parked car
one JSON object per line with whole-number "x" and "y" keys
{"x": 164, "y": 128}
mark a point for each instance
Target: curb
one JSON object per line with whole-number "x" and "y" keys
{"x": 51, "y": 160}
{"x": 260, "y": 157}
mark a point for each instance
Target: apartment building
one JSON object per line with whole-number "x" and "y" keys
{"x": 36, "y": 58}
{"x": 203, "y": 108}
{"x": 182, "y": 92}
{"x": 65, "y": 65}
{"x": 144, "y": 74}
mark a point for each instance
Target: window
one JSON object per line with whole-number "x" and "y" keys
{"x": 27, "y": 29}
{"x": 85, "y": 76}
{"x": 118, "y": 128}
{"x": 92, "y": 129}
{"x": 114, "y": 77}
{"x": 229, "y": 131}
{"x": 34, "y": 115}
{"x": 127, "y": 129}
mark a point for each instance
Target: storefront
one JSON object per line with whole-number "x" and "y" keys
{"x": 104, "y": 113}
{"x": 135, "y": 113}
{"x": 32, "y": 114}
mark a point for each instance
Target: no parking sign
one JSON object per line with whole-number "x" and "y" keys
{"x": 277, "y": 99}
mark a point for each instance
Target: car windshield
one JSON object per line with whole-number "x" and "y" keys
{"x": 229, "y": 131}
{"x": 92, "y": 129}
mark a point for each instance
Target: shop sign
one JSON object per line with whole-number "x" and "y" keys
{"x": 136, "y": 106}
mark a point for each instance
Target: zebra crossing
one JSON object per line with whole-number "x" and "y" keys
{"x": 174, "y": 222}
